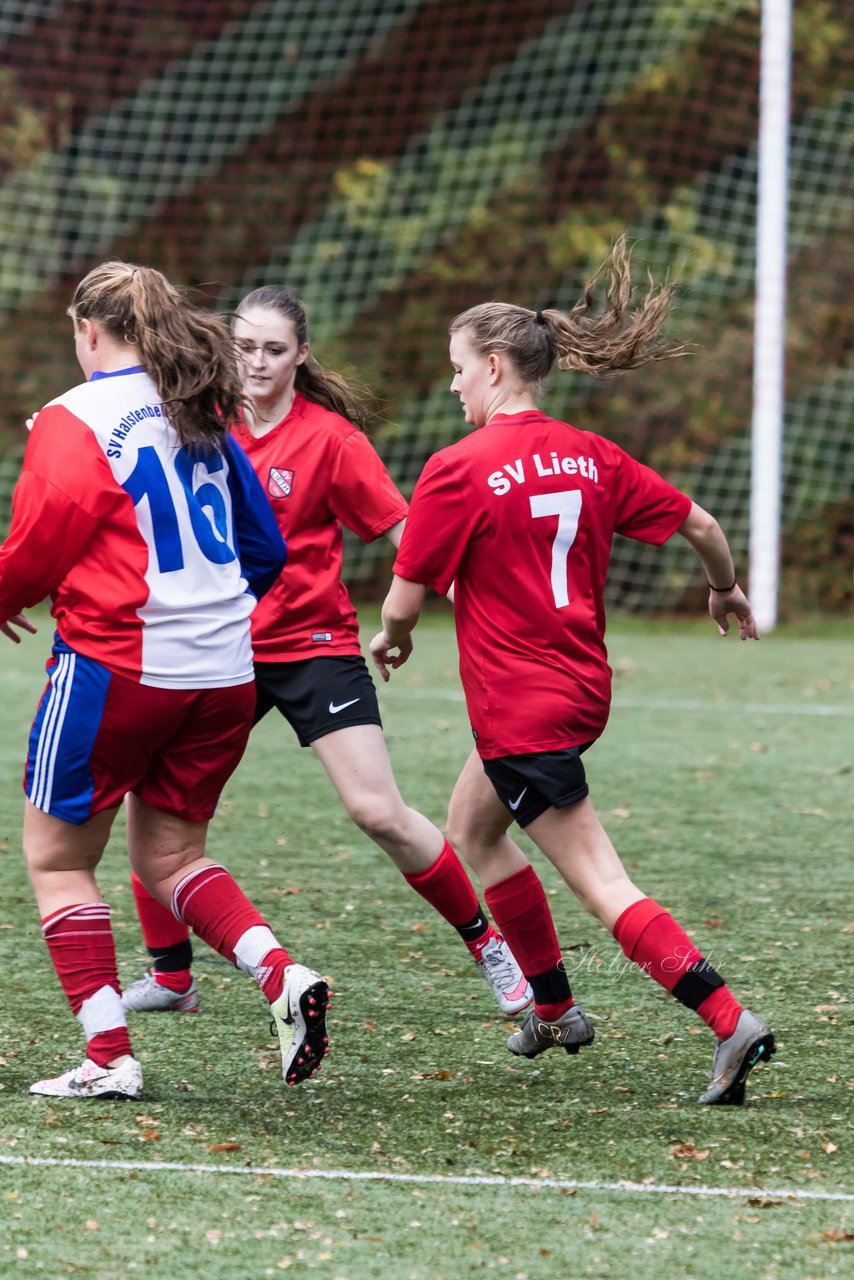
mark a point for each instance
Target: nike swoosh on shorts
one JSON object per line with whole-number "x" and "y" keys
{"x": 333, "y": 710}
{"x": 514, "y": 804}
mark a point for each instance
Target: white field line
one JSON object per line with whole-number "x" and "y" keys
{"x": 632, "y": 704}
{"x": 440, "y": 1179}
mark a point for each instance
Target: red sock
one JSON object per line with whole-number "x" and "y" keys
{"x": 653, "y": 940}
{"x": 447, "y": 888}
{"x": 80, "y": 941}
{"x": 167, "y": 939}
{"x": 217, "y": 909}
{"x": 720, "y": 1011}
{"x": 521, "y": 911}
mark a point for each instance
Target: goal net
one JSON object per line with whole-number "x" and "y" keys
{"x": 395, "y": 161}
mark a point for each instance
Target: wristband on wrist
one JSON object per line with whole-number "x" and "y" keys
{"x": 723, "y": 590}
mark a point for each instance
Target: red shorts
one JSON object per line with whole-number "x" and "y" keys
{"x": 98, "y": 735}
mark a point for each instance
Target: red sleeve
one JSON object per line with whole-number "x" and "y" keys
{"x": 56, "y": 506}
{"x": 649, "y": 508}
{"x": 439, "y": 527}
{"x": 362, "y": 494}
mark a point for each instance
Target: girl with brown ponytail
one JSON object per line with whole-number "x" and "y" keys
{"x": 143, "y": 521}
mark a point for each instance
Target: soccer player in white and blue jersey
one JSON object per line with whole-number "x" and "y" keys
{"x": 144, "y": 522}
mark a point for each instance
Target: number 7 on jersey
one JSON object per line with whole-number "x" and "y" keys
{"x": 566, "y": 505}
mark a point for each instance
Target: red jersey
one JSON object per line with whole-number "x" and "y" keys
{"x": 319, "y": 472}
{"x": 521, "y": 515}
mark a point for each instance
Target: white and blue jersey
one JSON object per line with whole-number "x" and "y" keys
{"x": 153, "y": 554}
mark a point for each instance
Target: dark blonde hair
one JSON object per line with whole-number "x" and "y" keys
{"x": 312, "y": 380}
{"x": 622, "y": 336}
{"x": 188, "y": 353}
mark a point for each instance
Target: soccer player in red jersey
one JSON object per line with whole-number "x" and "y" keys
{"x": 520, "y": 516}
{"x": 131, "y": 507}
{"x": 320, "y": 471}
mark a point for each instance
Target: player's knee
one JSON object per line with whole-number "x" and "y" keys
{"x": 459, "y": 831}
{"x": 473, "y": 844}
{"x": 375, "y": 816}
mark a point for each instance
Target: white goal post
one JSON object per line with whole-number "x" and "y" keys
{"x": 770, "y": 311}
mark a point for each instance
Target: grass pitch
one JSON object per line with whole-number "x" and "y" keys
{"x": 725, "y": 780}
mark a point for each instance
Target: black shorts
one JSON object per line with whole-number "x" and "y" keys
{"x": 317, "y": 695}
{"x": 528, "y": 785}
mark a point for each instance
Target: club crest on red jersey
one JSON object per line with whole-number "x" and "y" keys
{"x": 280, "y": 482}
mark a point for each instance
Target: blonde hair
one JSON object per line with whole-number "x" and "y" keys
{"x": 622, "y": 336}
{"x": 312, "y": 379}
{"x": 188, "y": 353}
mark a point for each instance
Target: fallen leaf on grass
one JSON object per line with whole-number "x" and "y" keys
{"x": 687, "y": 1151}
{"x": 223, "y": 1146}
{"x": 836, "y": 1234}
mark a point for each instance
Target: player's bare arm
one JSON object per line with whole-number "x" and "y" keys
{"x": 400, "y": 613}
{"x": 395, "y": 533}
{"x": 707, "y": 538}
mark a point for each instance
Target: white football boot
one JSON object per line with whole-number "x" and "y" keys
{"x": 299, "y": 1017}
{"x": 91, "y": 1081}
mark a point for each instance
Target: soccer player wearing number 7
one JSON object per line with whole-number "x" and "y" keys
{"x": 130, "y": 509}
{"x": 520, "y": 515}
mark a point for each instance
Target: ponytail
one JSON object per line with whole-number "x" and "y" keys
{"x": 188, "y": 353}
{"x": 623, "y": 335}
